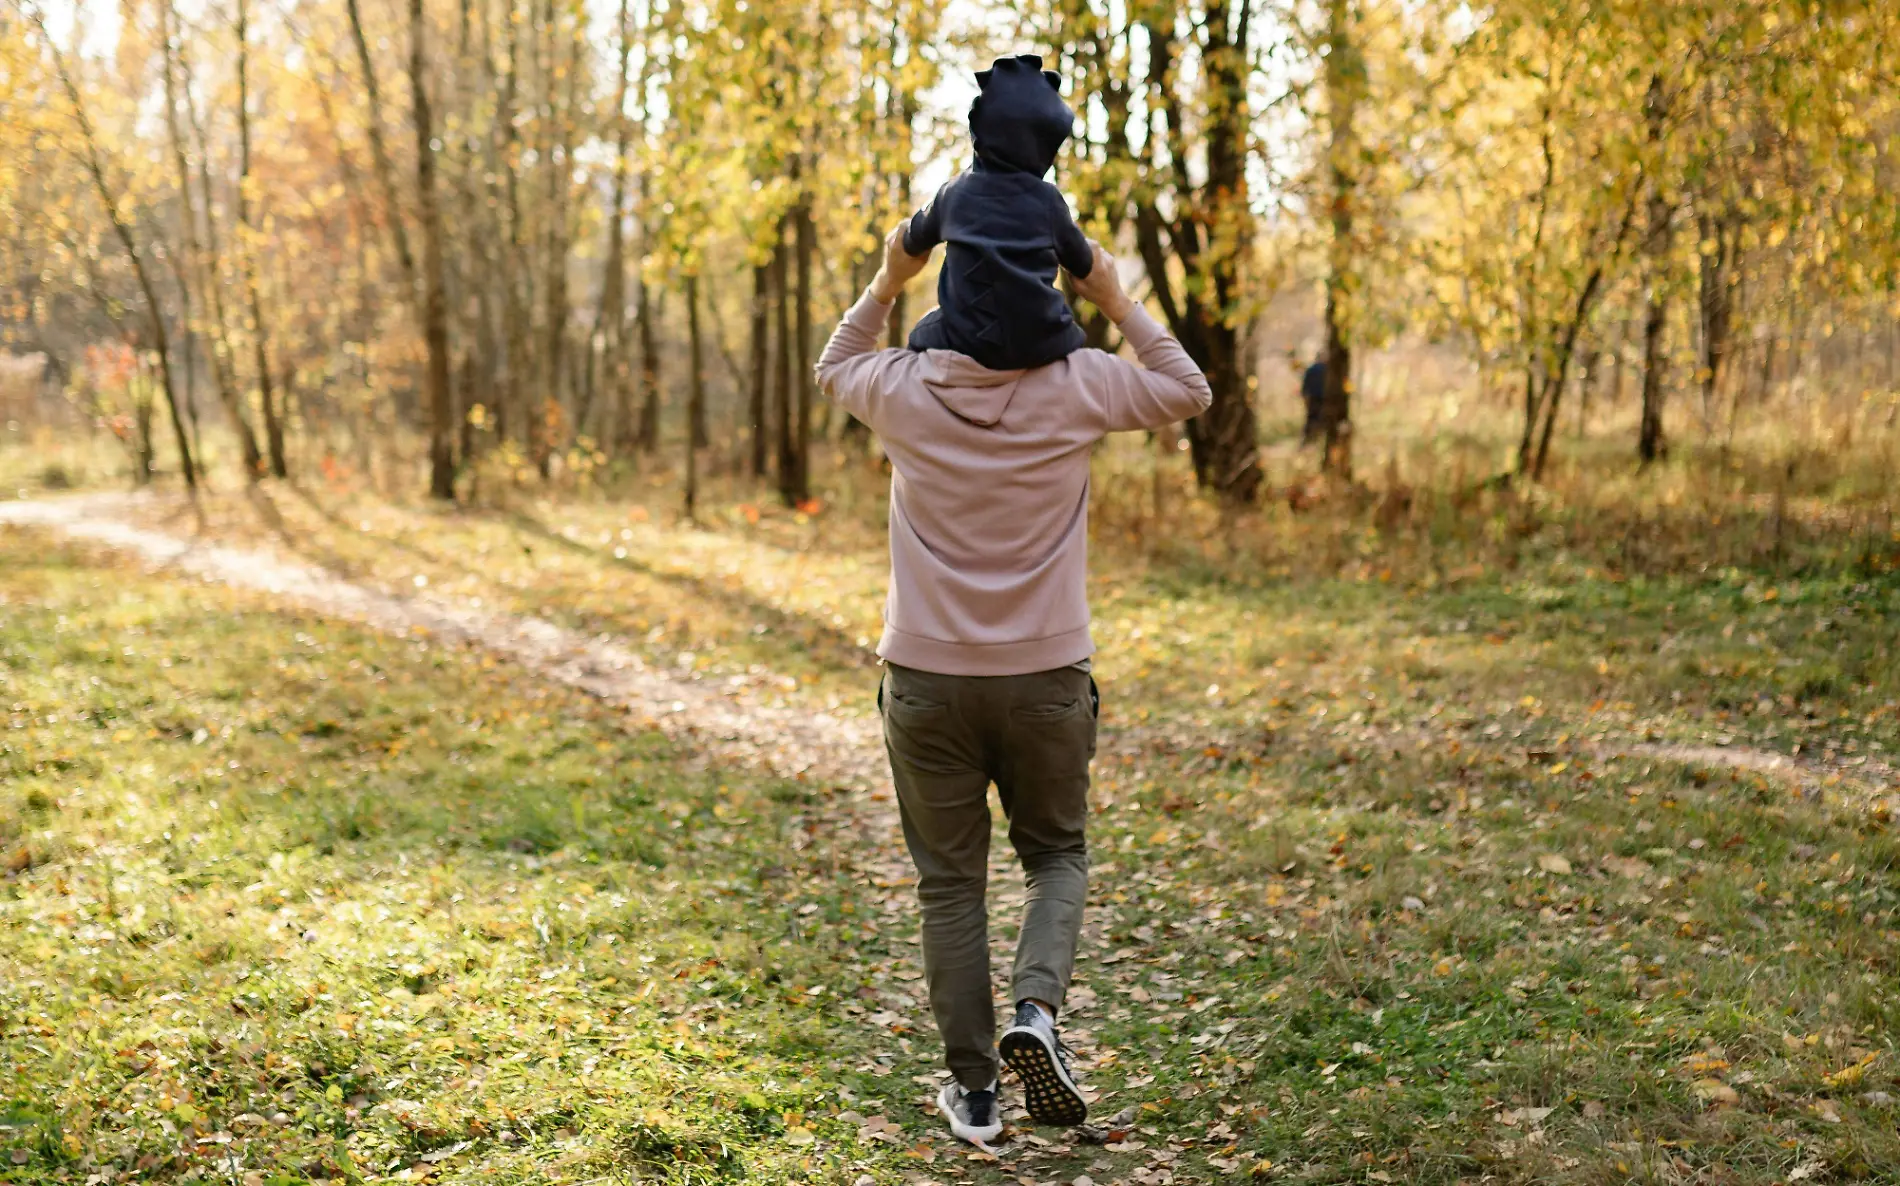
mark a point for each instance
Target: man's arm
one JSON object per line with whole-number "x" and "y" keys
{"x": 851, "y": 368}
{"x": 1165, "y": 388}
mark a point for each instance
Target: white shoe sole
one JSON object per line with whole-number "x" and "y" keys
{"x": 1051, "y": 1096}
{"x": 974, "y": 1134}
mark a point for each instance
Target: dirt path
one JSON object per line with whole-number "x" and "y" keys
{"x": 719, "y": 721}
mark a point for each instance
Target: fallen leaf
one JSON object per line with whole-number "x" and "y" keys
{"x": 446, "y": 1152}
{"x": 1849, "y": 1075}
{"x": 1554, "y": 863}
{"x": 1629, "y": 868}
{"x": 1714, "y": 1091}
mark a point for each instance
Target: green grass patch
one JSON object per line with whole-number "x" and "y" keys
{"x": 1386, "y": 888}
{"x": 289, "y": 901}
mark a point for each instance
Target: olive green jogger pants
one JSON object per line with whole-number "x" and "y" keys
{"x": 949, "y": 737}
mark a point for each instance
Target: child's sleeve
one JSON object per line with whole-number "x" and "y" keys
{"x": 1073, "y": 251}
{"x": 925, "y": 229}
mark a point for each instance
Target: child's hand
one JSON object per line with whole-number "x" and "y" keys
{"x": 899, "y": 267}
{"x": 1102, "y": 287}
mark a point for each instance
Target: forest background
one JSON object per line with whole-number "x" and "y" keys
{"x": 550, "y": 242}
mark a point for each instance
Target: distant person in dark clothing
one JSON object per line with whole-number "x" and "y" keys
{"x": 1313, "y": 393}
{"x": 1006, "y": 228}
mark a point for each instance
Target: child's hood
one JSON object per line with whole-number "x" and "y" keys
{"x": 1019, "y": 121}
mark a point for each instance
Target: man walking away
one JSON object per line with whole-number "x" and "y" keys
{"x": 986, "y": 645}
{"x": 1313, "y": 393}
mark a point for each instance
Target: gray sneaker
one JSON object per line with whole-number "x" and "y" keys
{"x": 972, "y": 1114}
{"x": 1031, "y": 1048}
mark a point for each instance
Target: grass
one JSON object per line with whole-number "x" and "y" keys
{"x": 285, "y": 903}
{"x": 1388, "y": 887}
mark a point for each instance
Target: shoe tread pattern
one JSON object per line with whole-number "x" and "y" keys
{"x": 1049, "y": 1099}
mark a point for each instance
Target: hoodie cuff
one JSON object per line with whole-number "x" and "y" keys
{"x": 1140, "y": 328}
{"x": 870, "y": 313}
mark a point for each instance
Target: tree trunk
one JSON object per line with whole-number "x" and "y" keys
{"x": 611, "y": 315}
{"x": 1209, "y": 235}
{"x": 648, "y": 437}
{"x": 1617, "y": 363}
{"x": 247, "y": 255}
{"x": 1767, "y": 380}
{"x": 696, "y": 396}
{"x": 506, "y": 190}
{"x": 1650, "y": 444}
{"x": 1717, "y": 283}
{"x": 379, "y": 156}
{"x": 1555, "y": 382}
{"x": 155, "y": 313}
{"x": 1345, "y": 75}
{"x": 761, "y": 303}
{"x": 560, "y": 168}
{"x": 143, "y": 454}
{"x": 904, "y": 105}
{"x": 435, "y": 320}
{"x": 798, "y": 490}
{"x": 781, "y": 411}
{"x": 199, "y": 269}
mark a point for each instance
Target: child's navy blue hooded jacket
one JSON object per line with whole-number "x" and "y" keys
{"x": 1006, "y": 230}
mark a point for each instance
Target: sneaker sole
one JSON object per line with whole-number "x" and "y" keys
{"x": 1048, "y": 1093}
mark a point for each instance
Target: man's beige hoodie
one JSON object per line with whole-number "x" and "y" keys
{"x": 990, "y": 485}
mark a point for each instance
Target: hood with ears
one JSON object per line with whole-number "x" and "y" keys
{"x": 1019, "y": 121}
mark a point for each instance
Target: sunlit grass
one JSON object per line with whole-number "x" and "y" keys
{"x": 291, "y": 899}
{"x": 1387, "y": 887}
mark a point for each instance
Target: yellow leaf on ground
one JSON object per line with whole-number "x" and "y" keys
{"x": 1847, "y": 1076}
{"x": 1714, "y": 1091}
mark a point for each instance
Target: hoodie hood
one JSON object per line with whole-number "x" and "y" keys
{"x": 967, "y": 387}
{"x": 1019, "y": 121}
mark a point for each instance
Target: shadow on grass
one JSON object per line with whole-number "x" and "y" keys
{"x": 337, "y": 564}
{"x": 823, "y": 643}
